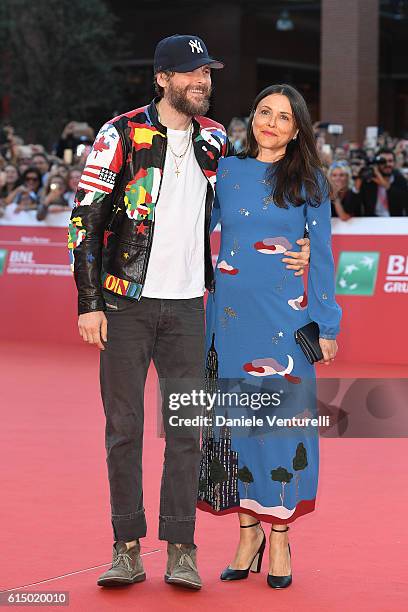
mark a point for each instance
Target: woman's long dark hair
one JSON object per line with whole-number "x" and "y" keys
{"x": 299, "y": 174}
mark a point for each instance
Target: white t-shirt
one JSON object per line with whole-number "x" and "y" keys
{"x": 176, "y": 264}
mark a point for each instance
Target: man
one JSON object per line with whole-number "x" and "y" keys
{"x": 386, "y": 194}
{"x": 141, "y": 298}
{"x": 40, "y": 161}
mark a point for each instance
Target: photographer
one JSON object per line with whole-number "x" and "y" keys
{"x": 381, "y": 190}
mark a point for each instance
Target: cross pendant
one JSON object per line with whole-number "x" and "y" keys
{"x": 177, "y": 172}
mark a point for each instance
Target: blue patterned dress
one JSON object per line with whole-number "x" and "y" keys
{"x": 268, "y": 472}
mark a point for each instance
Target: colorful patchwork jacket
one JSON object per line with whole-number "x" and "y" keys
{"x": 111, "y": 227}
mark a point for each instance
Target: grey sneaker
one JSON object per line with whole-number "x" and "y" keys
{"x": 127, "y": 566}
{"x": 182, "y": 566}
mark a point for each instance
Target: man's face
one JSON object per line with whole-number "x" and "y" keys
{"x": 387, "y": 168}
{"x": 40, "y": 163}
{"x": 188, "y": 92}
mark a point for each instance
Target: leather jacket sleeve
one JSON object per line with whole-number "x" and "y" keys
{"x": 90, "y": 216}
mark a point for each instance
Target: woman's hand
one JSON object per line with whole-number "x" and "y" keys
{"x": 298, "y": 260}
{"x": 329, "y": 350}
{"x": 53, "y": 196}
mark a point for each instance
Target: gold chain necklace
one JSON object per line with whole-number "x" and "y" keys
{"x": 182, "y": 155}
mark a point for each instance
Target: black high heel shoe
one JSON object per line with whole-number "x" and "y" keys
{"x": 280, "y": 582}
{"x": 255, "y": 566}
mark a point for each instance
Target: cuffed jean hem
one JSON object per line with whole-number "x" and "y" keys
{"x": 129, "y": 527}
{"x": 177, "y": 530}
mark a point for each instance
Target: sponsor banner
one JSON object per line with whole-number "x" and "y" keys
{"x": 372, "y": 289}
{"x": 371, "y": 259}
{"x": 39, "y": 295}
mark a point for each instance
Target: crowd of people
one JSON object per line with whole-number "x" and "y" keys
{"x": 32, "y": 179}
{"x": 366, "y": 180}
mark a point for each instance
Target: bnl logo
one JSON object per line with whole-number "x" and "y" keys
{"x": 357, "y": 272}
{"x": 3, "y": 257}
{"x": 196, "y": 46}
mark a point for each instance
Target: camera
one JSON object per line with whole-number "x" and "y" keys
{"x": 367, "y": 171}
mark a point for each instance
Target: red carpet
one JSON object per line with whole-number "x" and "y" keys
{"x": 349, "y": 554}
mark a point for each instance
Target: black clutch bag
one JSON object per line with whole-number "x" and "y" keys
{"x": 308, "y": 339}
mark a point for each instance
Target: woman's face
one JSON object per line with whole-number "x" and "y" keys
{"x": 11, "y": 174}
{"x": 57, "y": 183}
{"x": 274, "y": 123}
{"x": 339, "y": 178}
{"x": 32, "y": 182}
{"x": 74, "y": 177}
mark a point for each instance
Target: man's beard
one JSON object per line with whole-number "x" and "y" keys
{"x": 386, "y": 171}
{"x": 177, "y": 97}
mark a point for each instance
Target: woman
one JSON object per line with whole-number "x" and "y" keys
{"x": 265, "y": 197}
{"x": 74, "y": 176}
{"x": 53, "y": 200}
{"x": 27, "y": 195}
{"x": 9, "y": 180}
{"x": 344, "y": 202}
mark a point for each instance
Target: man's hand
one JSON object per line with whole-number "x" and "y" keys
{"x": 381, "y": 180}
{"x": 329, "y": 350}
{"x": 298, "y": 260}
{"x": 93, "y": 328}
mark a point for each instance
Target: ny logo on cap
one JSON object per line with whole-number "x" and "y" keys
{"x": 196, "y": 45}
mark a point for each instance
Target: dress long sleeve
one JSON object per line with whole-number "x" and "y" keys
{"x": 322, "y": 306}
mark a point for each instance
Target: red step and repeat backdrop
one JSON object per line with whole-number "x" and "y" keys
{"x": 38, "y": 298}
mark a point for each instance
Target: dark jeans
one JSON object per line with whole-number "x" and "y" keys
{"x": 171, "y": 332}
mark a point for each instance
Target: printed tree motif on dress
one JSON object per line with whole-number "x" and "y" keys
{"x": 281, "y": 475}
{"x": 246, "y": 477}
{"x": 299, "y": 463}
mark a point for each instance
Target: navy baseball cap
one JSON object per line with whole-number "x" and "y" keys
{"x": 182, "y": 53}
